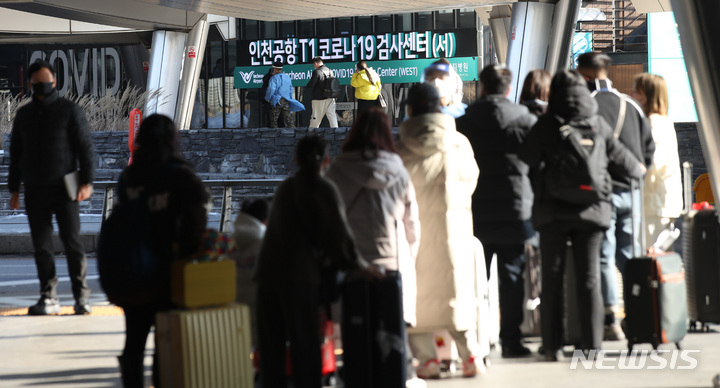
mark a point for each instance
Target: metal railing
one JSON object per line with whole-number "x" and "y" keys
{"x": 224, "y": 187}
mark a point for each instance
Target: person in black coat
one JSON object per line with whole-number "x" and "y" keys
{"x": 558, "y": 220}
{"x": 627, "y": 118}
{"x": 322, "y": 105}
{"x": 50, "y": 139}
{"x": 178, "y": 217}
{"x": 502, "y": 201}
{"x": 307, "y": 217}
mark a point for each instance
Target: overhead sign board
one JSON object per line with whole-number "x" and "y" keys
{"x": 390, "y": 72}
{"x": 353, "y": 48}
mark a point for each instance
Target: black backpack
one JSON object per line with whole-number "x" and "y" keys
{"x": 129, "y": 266}
{"x": 331, "y": 86}
{"x": 577, "y": 169}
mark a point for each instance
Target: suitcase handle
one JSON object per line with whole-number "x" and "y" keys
{"x": 636, "y": 185}
{"x": 687, "y": 187}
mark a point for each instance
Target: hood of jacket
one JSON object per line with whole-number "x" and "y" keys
{"x": 365, "y": 170}
{"x": 426, "y": 134}
{"x": 573, "y": 103}
{"x": 495, "y": 111}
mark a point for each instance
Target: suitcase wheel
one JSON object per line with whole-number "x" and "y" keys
{"x": 677, "y": 345}
{"x": 655, "y": 345}
{"x": 630, "y": 346}
{"x": 693, "y": 327}
{"x": 330, "y": 380}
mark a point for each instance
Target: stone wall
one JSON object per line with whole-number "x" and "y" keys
{"x": 222, "y": 153}
{"x": 268, "y": 153}
{"x": 689, "y": 147}
{"x": 216, "y": 154}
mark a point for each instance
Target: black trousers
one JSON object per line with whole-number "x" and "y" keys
{"x": 41, "y": 203}
{"x": 363, "y": 105}
{"x": 289, "y": 312}
{"x": 510, "y": 264}
{"x": 586, "y": 240}
{"x": 138, "y": 322}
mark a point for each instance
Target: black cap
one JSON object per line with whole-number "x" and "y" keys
{"x": 277, "y": 65}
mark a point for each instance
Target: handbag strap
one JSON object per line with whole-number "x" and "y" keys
{"x": 621, "y": 113}
{"x": 621, "y": 117}
{"x": 352, "y": 203}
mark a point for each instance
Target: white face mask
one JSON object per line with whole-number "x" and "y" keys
{"x": 445, "y": 87}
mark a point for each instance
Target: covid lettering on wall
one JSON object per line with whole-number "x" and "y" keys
{"x": 400, "y": 45}
{"x": 94, "y": 71}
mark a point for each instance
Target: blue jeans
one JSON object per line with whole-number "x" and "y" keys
{"x": 617, "y": 245}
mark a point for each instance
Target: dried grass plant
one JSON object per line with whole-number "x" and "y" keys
{"x": 106, "y": 113}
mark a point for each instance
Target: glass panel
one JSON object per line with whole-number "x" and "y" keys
{"x": 215, "y": 85}
{"x": 234, "y": 117}
{"x": 250, "y": 30}
{"x": 384, "y": 24}
{"x": 287, "y": 29}
{"x": 267, "y": 30}
{"x": 403, "y": 22}
{"x": 198, "y": 116}
{"x": 307, "y": 28}
{"x": 364, "y": 25}
{"x": 344, "y": 26}
{"x": 324, "y": 27}
{"x": 466, "y": 18}
{"x": 423, "y": 21}
{"x": 445, "y": 19}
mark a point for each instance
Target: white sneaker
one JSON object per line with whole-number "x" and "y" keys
{"x": 429, "y": 370}
{"x": 415, "y": 383}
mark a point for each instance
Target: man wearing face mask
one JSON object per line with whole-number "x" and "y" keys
{"x": 445, "y": 79}
{"x": 502, "y": 202}
{"x": 50, "y": 139}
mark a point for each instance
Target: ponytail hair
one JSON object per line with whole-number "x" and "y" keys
{"x": 310, "y": 153}
{"x": 362, "y": 65}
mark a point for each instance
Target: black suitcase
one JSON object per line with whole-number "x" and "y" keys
{"x": 655, "y": 300}
{"x": 373, "y": 333}
{"x": 701, "y": 248}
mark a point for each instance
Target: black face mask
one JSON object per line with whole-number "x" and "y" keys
{"x": 42, "y": 88}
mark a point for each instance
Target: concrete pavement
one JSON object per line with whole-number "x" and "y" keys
{"x": 79, "y": 351}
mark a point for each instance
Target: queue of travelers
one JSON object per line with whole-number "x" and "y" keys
{"x": 407, "y": 209}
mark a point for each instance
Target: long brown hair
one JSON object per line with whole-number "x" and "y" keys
{"x": 655, "y": 90}
{"x": 370, "y": 133}
{"x": 536, "y": 86}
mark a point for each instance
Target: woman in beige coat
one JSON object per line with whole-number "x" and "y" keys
{"x": 443, "y": 170}
{"x": 662, "y": 194}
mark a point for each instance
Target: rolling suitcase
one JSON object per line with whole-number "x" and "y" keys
{"x": 373, "y": 333}
{"x": 701, "y": 251}
{"x": 204, "y": 347}
{"x": 655, "y": 300}
{"x": 655, "y": 297}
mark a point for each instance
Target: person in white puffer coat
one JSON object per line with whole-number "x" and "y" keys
{"x": 442, "y": 166}
{"x": 662, "y": 194}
